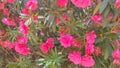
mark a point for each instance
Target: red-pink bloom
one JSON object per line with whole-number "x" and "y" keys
{"x": 89, "y": 49}
{"x": 97, "y": 51}
{"x": 5, "y": 11}
{"x": 118, "y": 43}
{"x": 35, "y": 17}
{"x": 47, "y": 45}
{"x": 82, "y": 3}
{"x": 58, "y": 20}
{"x": 1, "y": 42}
{"x": 90, "y": 37}
{"x": 77, "y": 43}
{"x": 8, "y": 44}
{"x": 9, "y": 22}
{"x": 32, "y": 4}
{"x": 98, "y": 1}
{"x": 116, "y": 54}
{"x": 87, "y": 61}
{"x": 117, "y": 4}
{"x": 1, "y": 5}
{"x": 66, "y": 40}
{"x": 22, "y": 39}
{"x": 23, "y": 28}
{"x": 26, "y": 11}
{"x": 22, "y": 48}
{"x": 116, "y": 61}
{"x": 75, "y": 57}
{"x": 97, "y": 19}
{"x": 49, "y": 40}
{"x": 44, "y": 48}
{"x": 11, "y": 1}
{"x": 110, "y": 16}
{"x": 62, "y": 3}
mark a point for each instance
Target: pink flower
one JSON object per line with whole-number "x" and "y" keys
{"x": 116, "y": 54}
{"x": 117, "y": 4}
{"x": 110, "y": 16}
{"x": 5, "y": 11}
{"x": 44, "y": 48}
{"x": 62, "y": 3}
{"x": 118, "y": 43}
{"x": 23, "y": 28}
{"x": 35, "y": 17}
{"x": 89, "y": 49}
{"x": 1, "y": 5}
{"x": 77, "y": 43}
{"x": 66, "y": 40}
{"x": 87, "y": 61}
{"x": 22, "y": 48}
{"x": 58, "y": 20}
{"x": 82, "y": 3}
{"x": 97, "y": 51}
{"x": 49, "y": 40}
{"x": 8, "y": 43}
{"x": 32, "y": 4}
{"x": 116, "y": 61}
{"x": 22, "y": 39}
{"x": 75, "y": 57}
{"x": 90, "y": 37}
{"x": 98, "y": 1}
{"x": 47, "y": 45}
{"x": 97, "y": 19}
{"x": 8, "y": 22}
{"x": 11, "y": 1}
{"x": 26, "y": 11}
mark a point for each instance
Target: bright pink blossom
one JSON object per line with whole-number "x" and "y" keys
{"x": 47, "y": 45}
{"x": 110, "y": 16}
{"x": 75, "y": 57}
{"x": 44, "y": 48}
{"x": 90, "y": 37}
{"x": 32, "y": 4}
{"x": 66, "y": 40}
{"x": 22, "y": 48}
{"x": 116, "y": 54}
{"x": 117, "y": 4}
{"x": 82, "y": 3}
{"x": 9, "y": 22}
{"x": 35, "y": 17}
{"x": 98, "y": 1}
{"x": 62, "y": 3}
{"x": 5, "y": 11}
{"x": 97, "y": 19}
{"x": 97, "y": 51}
{"x": 1, "y": 5}
{"x": 116, "y": 61}
{"x": 87, "y": 61}
{"x": 8, "y": 44}
{"x": 118, "y": 43}
{"x": 77, "y": 43}
{"x": 89, "y": 49}
{"x": 22, "y": 39}
{"x": 11, "y": 1}
{"x": 25, "y": 11}
{"x": 49, "y": 40}
{"x": 23, "y": 28}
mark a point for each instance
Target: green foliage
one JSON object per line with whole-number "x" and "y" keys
{"x": 77, "y": 24}
{"x": 52, "y": 60}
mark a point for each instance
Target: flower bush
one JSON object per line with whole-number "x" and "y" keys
{"x": 59, "y": 33}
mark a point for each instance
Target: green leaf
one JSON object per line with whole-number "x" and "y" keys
{"x": 103, "y": 5}
{"x": 96, "y": 9}
{"x": 12, "y": 65}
